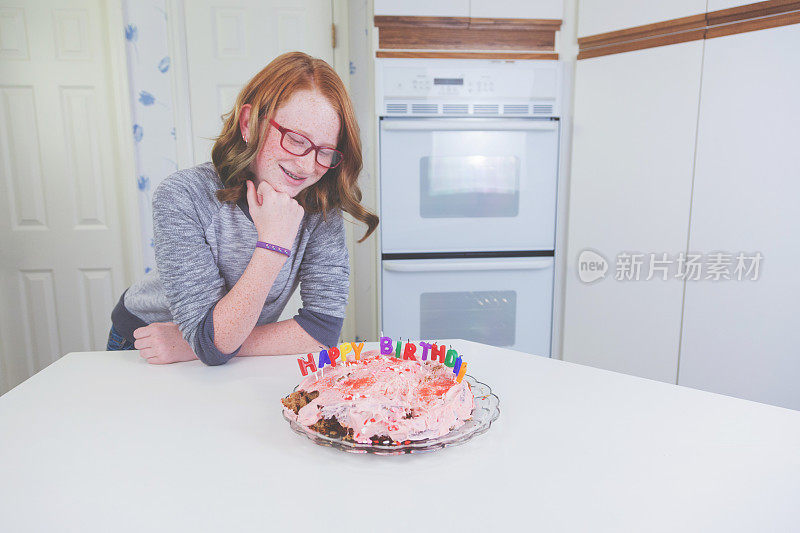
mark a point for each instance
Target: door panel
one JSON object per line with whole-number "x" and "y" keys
{"x": 227, "y": 44}
{"x": 630, "y": 191}
{"x": 741, "y": 337}
{"x": 60, "y": 231}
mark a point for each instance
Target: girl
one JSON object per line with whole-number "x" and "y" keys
{"x": 235, "y": 236}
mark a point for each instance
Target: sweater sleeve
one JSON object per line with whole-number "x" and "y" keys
{"x": 188, "y": 272}
{"x": 325, "y": 281}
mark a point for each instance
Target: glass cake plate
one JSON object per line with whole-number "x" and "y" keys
{"x": 487, "y": 409}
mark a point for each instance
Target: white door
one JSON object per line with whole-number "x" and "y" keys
{"x": 227, "y": 43}
{"x": 498, "y": 301}
{"x": 630, "y": 191}
{"x": 60, "y": 229}
{"x": 457, "y": 185}
{"x": 741, "y": 337}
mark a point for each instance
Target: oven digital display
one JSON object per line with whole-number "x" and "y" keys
{"x": 448, "y": 81}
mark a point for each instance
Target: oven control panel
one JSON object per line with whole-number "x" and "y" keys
{"x": 468, "y": 79}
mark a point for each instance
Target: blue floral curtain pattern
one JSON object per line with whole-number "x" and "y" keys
{"x": 151, "y": 100}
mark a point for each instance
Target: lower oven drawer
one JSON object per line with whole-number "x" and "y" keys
{"x": 504, "y": 302}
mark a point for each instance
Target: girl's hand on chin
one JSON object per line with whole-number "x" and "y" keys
{"x": 161, "y": 343}
{"x": 276, "y": 215}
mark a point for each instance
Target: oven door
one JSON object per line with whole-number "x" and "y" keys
{"x": 468, "y": 184}
{"x": 502, "y": 302}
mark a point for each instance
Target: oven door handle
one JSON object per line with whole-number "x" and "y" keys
{"x": 467, "y": 124}
{"x": 454, "y": 265}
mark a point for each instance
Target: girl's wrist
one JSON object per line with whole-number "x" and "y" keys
{"x": 276, "y": 240}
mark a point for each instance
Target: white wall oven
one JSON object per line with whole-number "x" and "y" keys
{"x": 468, "y": 181}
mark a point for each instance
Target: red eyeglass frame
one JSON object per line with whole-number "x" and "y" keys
{"x": 314, "y": 147}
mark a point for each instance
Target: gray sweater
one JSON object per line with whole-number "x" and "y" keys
{"x": 202, "y": 247}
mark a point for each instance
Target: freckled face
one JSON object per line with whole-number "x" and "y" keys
{"x": 306, "y": 112}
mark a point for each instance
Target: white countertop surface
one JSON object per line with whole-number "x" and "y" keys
{"x": 102, "y": 441}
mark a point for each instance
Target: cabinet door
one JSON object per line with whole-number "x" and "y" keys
{"x": 630, "y": 191}
{"x": 422, "y": 8}
{"x": 516, "y": 9}
{"x": 602, "y": 16}
{"x": 742, "y": 337}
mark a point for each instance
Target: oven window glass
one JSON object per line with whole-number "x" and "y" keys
{"x": 489, "y": 317}
{"x": 469, "y": 186}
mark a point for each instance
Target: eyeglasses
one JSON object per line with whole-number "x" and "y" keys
{"x": 298, "y": 144}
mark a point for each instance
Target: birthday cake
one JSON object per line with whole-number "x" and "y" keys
{"x": 382, "y": 397}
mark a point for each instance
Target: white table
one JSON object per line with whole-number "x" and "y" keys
{"x": 102, "y": 441}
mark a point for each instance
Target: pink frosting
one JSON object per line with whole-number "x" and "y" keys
{"x": 374, "y": 396}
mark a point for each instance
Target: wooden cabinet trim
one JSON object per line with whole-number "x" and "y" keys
{"x": 649, "y": 42}
{"x": 751, "y": 11}
{"x": 465, "y": 33}
{"x": 385, "y": 21}
{"x": 657, "y": 29}
{"x": 763, "y": 23}
{"x": 750, "y": 17}
{"x": 464, "y": 55}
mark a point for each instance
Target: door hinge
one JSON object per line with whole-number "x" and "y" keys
{"x": 333, "y": 35}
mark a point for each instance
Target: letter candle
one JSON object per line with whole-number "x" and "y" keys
{"x": 425, "y": 347}
{"x": 386, "y": 345}
{"x": 344, "y": 349}
{"x": 461, "y": 372}
{"x": 450, "y": 358}
{"x": 438, "y": 351}
{"x": 323, "y": 359}
{"x": 333, "y": 354}
{"x": 307, "y": 364}
{"x": 408, "y": 352}
{"x": 357, "y": 349}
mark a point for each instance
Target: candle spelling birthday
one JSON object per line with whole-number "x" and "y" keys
{"x": 422, "y": 352}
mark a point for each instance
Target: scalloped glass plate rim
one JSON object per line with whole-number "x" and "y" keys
{"x": 486, "y": 411}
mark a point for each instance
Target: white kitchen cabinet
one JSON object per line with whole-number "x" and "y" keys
{"x": 601, "y": 16}
{"x": 635, "y": 118}
{"x": 742, "y": 337}
{"x": 422, "y": 8}
{"x": 503, "y": 9}
{"x": 717, "y": 5}
{"x": 517, "y": 9}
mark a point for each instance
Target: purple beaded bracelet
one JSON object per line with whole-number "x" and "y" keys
{"x": 274, "y": 248}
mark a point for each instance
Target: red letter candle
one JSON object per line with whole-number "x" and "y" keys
{"x": 408, "y": 352}
{"x": 307, "y": 364}
{"x": 333, "y": 353}
{"x": 437, "y": 351}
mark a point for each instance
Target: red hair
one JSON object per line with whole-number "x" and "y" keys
{"x": 265, "y": 93}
